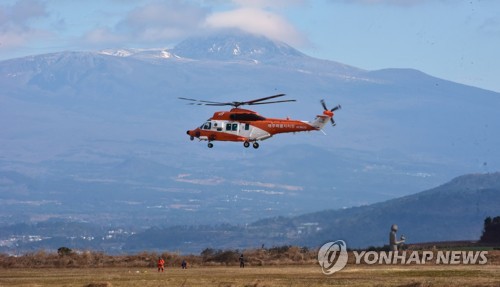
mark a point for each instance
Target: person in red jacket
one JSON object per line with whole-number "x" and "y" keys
{"x": 161, "y": 263}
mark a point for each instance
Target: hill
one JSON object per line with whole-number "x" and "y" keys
{"x": 453, "y": 211}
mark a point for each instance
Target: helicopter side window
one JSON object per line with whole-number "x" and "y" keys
{"x": 247, "y": 127}
{"x": 207, "y": 126}
{"x": 231, "y": 127}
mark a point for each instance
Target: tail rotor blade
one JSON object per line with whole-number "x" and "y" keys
{"x": 336, "y": 108}
{"x": 324, "y": 105}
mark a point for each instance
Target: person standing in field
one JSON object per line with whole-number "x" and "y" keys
{"x": 242, "y": 261}
{"x": 161, "y": 263}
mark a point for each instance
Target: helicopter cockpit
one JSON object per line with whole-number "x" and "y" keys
{"x": 206, "y": 126}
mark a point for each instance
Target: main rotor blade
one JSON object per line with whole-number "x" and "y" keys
{"x": 236, "y": 104}
{"x": 273, "y": 102}
{"x": 217, "y": 104}
{"x": 202, "y": 102}
{"x": 262, "y": 99}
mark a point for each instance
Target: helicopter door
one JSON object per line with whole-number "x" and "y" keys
{"x": 244, "y": 129}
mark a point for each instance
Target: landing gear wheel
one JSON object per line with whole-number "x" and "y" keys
{"x": 246, "y": 144}
{"x": 210, "y": 145}
{"x": 191, "y": 138}
{"x": 255, "y": 145}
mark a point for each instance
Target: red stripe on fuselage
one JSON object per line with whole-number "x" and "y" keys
{"x": 278, "y": 126}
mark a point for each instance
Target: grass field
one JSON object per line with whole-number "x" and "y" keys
{"x": 305, "y": 275}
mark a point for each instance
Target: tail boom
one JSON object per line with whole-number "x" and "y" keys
{"x": 321, "y": 120}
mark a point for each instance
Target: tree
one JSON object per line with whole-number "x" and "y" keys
{"x": 62, "y": 251}
{"x": 207, "y": 254}
{"x": 491, "y": 231}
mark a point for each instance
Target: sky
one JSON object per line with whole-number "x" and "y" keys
{"x": 456, "y": 40}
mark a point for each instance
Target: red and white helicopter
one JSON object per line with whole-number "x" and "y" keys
{"x": 241, "y": 125}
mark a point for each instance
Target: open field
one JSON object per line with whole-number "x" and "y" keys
{"x": 305, "y": 275}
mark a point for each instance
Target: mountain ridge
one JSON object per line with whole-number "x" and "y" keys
{"x": 360, "y": 226}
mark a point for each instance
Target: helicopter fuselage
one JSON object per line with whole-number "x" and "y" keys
{"x": 247, "y": 126}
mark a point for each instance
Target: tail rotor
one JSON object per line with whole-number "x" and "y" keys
{"x": 330, "y": 111}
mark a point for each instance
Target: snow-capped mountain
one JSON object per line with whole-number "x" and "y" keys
{"x": 93, "y": 133}
{"x": 234, "y": 46}
{"x": 221, "y": 47}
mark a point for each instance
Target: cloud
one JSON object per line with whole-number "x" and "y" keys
{"x": 160, "y": 23}
{"x": 16, "y": 23}
{"x": 257, "y": 21}
{"x": 22, "y": 12}
{"x": 153, "y": 23}
{"x": 27, "y": 25}
{"x": 157, "y": 21}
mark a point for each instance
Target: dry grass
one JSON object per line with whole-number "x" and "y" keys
{"x": 271, "y": 276}
{"x": 271, "y": 268}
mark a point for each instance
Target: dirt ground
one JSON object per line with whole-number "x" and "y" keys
{"x": 307, "y": 275}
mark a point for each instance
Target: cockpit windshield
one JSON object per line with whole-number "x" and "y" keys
{"x": 206, "y": 126}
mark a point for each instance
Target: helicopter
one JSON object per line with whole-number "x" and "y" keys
{"x": 242, "y": 125}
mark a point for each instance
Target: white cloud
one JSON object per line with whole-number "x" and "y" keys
{"x": 166, "y": 22}
{"x": 257, "y": 21}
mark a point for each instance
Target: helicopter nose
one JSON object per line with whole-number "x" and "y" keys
{"x": 191, "y": 134}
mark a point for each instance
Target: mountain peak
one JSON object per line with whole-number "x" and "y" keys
{"x": 234, "y": 46}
